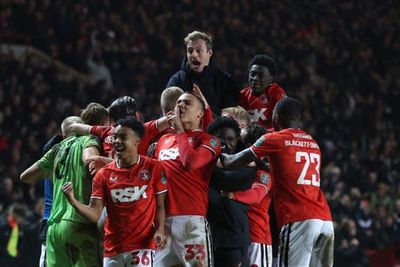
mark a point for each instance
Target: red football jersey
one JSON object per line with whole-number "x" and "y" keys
{"x": 105, "y": 135}
{"x": 260, "y": 107}
{"x": 187, "y": 189}
{"x": 295, "y": 160}
{"x": 129, "y": 196}
{"x": 258, "y": 213}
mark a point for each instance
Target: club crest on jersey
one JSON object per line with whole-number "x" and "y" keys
{"x": 144, "y": 174}
{"x": 263, "y": 99}
{"x": 113, "y": 179}
{"x": 259, "y": 141}
{"x": 191, "y": 140}
{"x": 264, "y": 178}
{"x": 214, "y": 142}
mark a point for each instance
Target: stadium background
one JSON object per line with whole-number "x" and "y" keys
{"x": 340, "y": 58}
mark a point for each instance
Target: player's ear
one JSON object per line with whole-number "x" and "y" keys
{"x": 210, "y": 52}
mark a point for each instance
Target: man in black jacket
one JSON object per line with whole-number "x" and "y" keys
{"x": 198, "y": 67}
{"x": 228, "y": 218}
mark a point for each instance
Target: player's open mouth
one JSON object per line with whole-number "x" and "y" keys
{"x": 196, "y": 63}
{"x": 119, "y": 148}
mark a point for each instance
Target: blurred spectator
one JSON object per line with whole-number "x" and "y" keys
{"x": 12, "y": 242}
{"x": 347, "y": 251}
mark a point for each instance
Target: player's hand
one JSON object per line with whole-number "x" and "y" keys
{"x": 219, "y": 164}
{"x": 170, "y": 118}
{"x": 96, "y": 163}
{"x": 68, "y": 191}
{"x": 160, "y": 238}
{"x": 178, "y": 123}
{"x": 226, "y": 194}
{"x": 196, "y": 90}
{"x": 222, "y": 159}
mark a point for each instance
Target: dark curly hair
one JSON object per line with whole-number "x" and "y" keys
{"x": 266, "y": 61}
{"x": 252, "y": 132}
{"x": 223, "y": 122}
{"x": 135, "y": 125}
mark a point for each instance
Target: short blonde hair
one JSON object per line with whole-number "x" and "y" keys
{"x": 196, "y": 35}
{"x": 65, "y": 125}
{"x": 238, "y": 112}
{"x": 168, "y": 98}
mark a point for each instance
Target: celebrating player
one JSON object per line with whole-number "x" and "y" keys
{"x": 307, "y": 235}
{"x": 259, "y": 198}
{"x": 189, "y": 157}
{"x": 260, "y": 98}
{"x": 72, "y": 240}
{"x": 133, "y": 190}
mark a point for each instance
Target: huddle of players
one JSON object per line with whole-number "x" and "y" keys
{"x": 162, "y": 202}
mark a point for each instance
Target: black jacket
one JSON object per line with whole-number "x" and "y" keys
{"x": 228, "y": 218}
{"x": 216, "y": 85}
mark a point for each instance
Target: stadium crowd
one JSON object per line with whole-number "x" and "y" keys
{"x": 341, "y": 59}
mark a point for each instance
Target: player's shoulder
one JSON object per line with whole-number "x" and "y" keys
{"x": 275, "y": 88}
{"x": 149, "y": 124}
{"x": 245, "y": 91}
{"x": 204, "y": 136}
{"x": 165, "y": 137}
{"x": 145, "y": 160}
{"x": 106, "y": 170}
{"x": 210, "y": 141}
{"x": 296, "y": 133}
{"x": 112, "y": 166}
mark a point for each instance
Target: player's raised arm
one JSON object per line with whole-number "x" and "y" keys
{"x": 89, "y": 153}
{"x": 92, "y": 211}
{"x": 40, "y": 169}
{"x": 237, "y": 160}
{"x": 79, "y": 128}
{"x": 188, "y": 118}
{"x": 165, "y": 121}
{"x": 32, "y": 175}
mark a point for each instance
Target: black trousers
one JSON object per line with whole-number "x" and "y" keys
{"x": 231, "y": 257}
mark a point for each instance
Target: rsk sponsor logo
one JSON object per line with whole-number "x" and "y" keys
{"x": 171, "y": 153}
{"x": 128, "y": 194}
{"x": 257, "y": 114}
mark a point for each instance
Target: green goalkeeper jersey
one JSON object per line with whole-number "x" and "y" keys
{"x": 64, "y": 163}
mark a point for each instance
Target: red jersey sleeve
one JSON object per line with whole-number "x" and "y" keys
{"x": 100, "y": 131}
{"x": 207, "y": 118}
{"x": 260, "y": 188}
{"x": 251, "y": 196}
{"x": 277, "y": 92}
{"x": 268, "y": 143}
{"x": 98, "y": 186}
{"x": 151, "y": 131}
{"x": 160, "y": 181}
{"x": 193, "y": 157}
{"x": 212, "y": 143}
